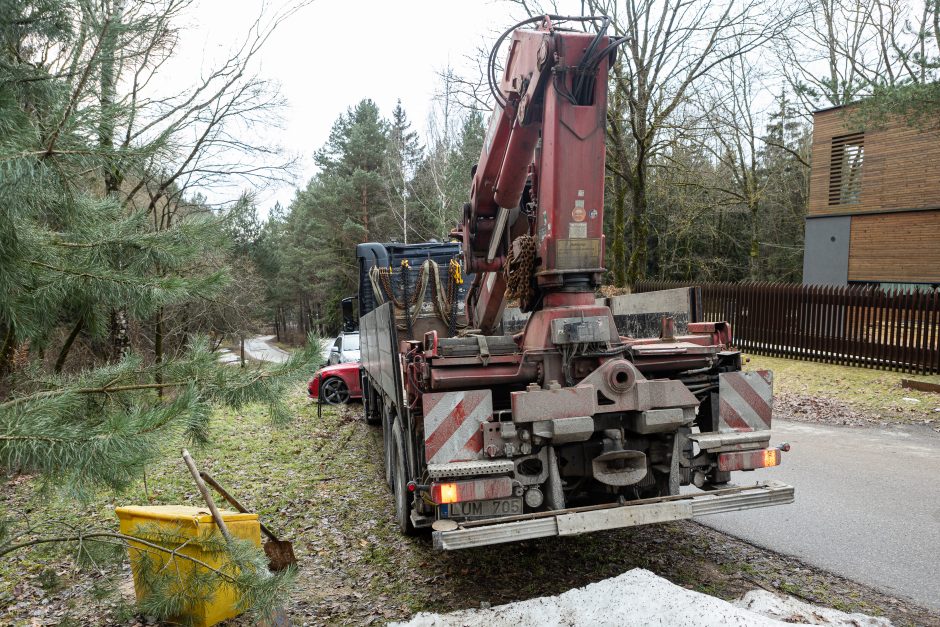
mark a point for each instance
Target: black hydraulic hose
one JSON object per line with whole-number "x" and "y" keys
{"x": 584, "y": 72}
{"x": 616, "y": 43}
{"x": 491, "y": 63}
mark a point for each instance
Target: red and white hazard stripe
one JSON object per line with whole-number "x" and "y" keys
{"x": 745, "y": 400}
{"x": 452, "y": 425}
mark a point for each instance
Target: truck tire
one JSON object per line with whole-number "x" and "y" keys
{"x": 400, "y": 483}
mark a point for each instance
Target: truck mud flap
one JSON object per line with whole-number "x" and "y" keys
{"x": 574, "y": 521}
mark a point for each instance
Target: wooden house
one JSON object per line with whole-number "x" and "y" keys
{"x": 874, "y": 204}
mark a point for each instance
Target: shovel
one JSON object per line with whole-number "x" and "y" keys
{"x": 216, "y": 516}
{"x": 278, "y": 617}
{"x": 280, "y": 552}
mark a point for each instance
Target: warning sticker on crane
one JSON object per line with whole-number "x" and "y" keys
{"x": 452, "y": 425}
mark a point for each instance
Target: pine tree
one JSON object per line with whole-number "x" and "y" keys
{"x": 71, "y": 253}
{"x": 352, "y": 162}
{"x": 402, "y": 159}
{"x": 442, "y": 181}
{"x": 345, "y": 204}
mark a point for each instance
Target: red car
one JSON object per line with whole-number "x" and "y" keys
{"x": 340, "y": 383}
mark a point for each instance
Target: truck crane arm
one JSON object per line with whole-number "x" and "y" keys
{"x": 537, "y": 192}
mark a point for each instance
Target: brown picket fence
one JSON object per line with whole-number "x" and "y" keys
{"x": 851, "y": 325}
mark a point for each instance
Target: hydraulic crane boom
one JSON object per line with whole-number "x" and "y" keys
{"x": 537, "y": 198}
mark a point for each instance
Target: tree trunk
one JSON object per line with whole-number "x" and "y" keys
{"x": 158, "y": 349}
{"x": 639, "y": 224}
{"x": 621, "y": 167}
{"x": 60, "y": 361}
{"x": 754, "y": 255}
{"x": 618, "y": 249}
{"x": 120, "y": 335}
{"x": 364, "y": 206}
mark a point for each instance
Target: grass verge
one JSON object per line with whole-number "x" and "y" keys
{"x": 866, "y": 395}
{"x": 319, "y": 483}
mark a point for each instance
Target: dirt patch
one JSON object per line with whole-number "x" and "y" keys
{"x": 831, "y": 411}
{"x": 319, "y": 482}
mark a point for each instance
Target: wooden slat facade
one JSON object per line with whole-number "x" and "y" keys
{"x": 887, "y": 180}
{"x": 900, "y": 168}
{"x": 895, "y": 247}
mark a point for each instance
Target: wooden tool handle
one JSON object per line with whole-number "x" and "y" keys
{"x": 231, "y": 499}
{"x": 216, "y": 516}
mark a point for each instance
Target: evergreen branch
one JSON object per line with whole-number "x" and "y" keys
{"x": 99, "y": 390}
{"x": 152, "y": 546}
{"x": 86, "y": 275}
{"x": 76, "y": 94}
{"x": 293, "y": 365}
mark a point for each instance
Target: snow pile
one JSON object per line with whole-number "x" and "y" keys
{"x": 792, "y": 611}
{"x": 638, "y": 597}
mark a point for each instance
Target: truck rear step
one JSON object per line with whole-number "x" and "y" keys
{"x": 578, "y": 520}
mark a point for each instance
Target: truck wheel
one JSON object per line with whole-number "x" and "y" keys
{"x": 400, "y": 483}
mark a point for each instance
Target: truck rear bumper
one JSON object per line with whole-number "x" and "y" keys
{"x": 574, "y": 521}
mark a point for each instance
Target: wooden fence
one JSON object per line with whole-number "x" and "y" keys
{"x": 853, "y": 325}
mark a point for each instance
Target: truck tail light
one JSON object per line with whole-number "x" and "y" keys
{"x": 444, "y": 493}
{"x": 771, "y": 458}
{"x": 474, "y": 490}
{"x": 749, "y": 460}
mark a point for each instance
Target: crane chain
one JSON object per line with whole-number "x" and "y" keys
{"x": 519, "y": 269}
{"x": 385, "y": 278}
{"x": 456, "y": 279}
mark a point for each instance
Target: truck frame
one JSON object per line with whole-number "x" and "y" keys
{"x": 597, "y": 412}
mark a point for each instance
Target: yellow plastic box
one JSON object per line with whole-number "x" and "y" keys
{"x": 193, "y": 525}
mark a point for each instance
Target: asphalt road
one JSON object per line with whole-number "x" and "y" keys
{"x": 258, "y": 348}
{"x": 867, "y": 506}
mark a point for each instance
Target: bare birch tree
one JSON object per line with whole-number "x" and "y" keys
{"x": 842, "y": 50}
{"x": 160, "y": 147}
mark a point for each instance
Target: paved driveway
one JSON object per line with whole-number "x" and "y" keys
{"x": 867, "y": 506}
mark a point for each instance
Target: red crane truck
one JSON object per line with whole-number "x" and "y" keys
{"x": 584, "y": 419}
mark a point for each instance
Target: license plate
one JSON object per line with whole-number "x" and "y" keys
{"x": 481, "y": 509}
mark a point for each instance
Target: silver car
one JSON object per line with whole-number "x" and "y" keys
{"x": 345, "y": 349}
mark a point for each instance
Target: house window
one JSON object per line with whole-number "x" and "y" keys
{"x": 845, "y": 169}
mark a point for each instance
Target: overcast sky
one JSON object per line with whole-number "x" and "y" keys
{"x": 334, "y": 53}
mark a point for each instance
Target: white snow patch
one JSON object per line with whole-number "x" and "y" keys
{"x": 637, "y": 597}
{"x": 791, "y": 610}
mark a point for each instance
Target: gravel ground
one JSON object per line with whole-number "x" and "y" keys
{"x": 319, "y": 482}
